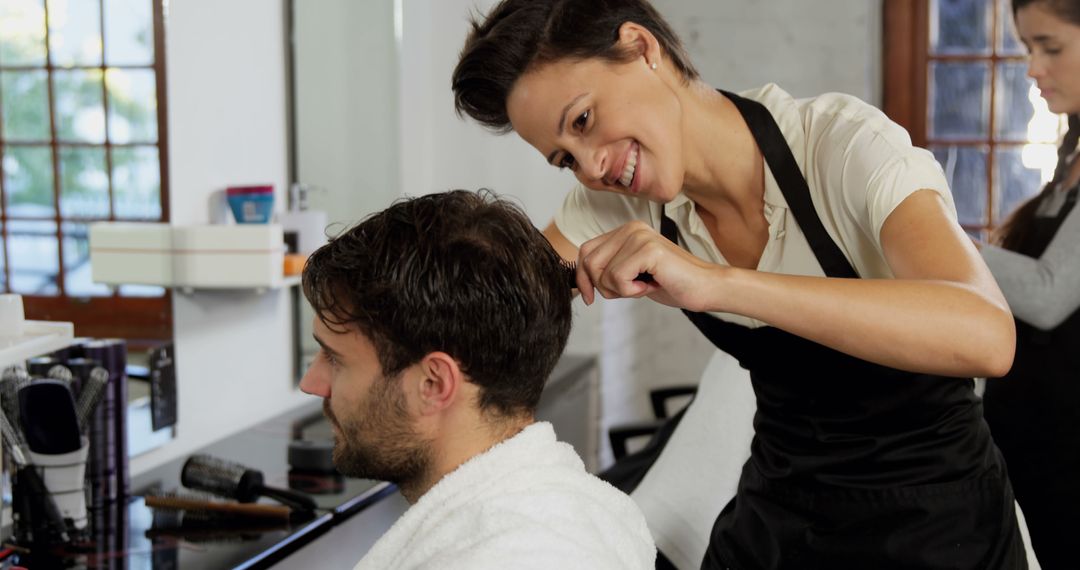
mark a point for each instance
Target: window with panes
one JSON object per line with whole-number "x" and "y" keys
{"x": 82, "y": 140}
{"x": 956, "y": 78}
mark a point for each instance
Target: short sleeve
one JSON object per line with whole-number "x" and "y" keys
{"x": 586, "y": 213}
{"x": 872, "y": 162}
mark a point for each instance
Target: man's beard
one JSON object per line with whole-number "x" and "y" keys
{"x": 378, "y": 441}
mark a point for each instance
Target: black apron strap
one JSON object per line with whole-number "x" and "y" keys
{"x": 785, "y": 169}
{"x": 668, "y": 229}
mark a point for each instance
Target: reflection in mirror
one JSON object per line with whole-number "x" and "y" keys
{"x": 83, "y": 140}
{"x": 344, "y": 116}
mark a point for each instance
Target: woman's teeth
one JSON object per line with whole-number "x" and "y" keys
{"x": 628, "y": 171}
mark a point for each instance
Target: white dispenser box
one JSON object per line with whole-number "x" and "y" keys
{"x": 140, "y": 253}
{"x": 218, "y": 256}
{"x": 188, "y": 257}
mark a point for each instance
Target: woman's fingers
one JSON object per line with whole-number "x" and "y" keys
{"x": 611, "y": 263}
{"x": 639, "y": 254}
{"x": 584, "y": 284}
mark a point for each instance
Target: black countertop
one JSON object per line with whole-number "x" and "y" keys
{"x": 130, "y": 535}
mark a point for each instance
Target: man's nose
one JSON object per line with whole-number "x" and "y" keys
{"x": 314, "y": 382}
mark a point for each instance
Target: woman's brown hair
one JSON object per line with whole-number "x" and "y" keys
{"x": 518, "y": 34}
{"x": 1016, "y": 228}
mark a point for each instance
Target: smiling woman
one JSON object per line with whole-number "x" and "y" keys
{"x": 590, "y": 118}
{"x": 796, "y": 234}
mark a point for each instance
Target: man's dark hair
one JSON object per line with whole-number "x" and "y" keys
{"x": 518, "y": 34}
{"x": 462, "y": 272}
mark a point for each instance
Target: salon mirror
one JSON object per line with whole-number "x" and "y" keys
{"x": 345, "y": 100}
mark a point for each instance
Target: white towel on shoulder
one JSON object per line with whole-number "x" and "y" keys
{"x": 525, "y": 503}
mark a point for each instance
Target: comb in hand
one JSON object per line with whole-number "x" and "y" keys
{"x": 571, "y": 275}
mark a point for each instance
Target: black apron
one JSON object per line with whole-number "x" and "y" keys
{"x": 853, "y": 464}
{"x": 1031, "y": 412}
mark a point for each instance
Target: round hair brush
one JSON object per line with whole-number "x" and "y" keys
{"x": 234, "y": 481}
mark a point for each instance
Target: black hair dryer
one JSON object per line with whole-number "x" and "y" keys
{"x": 234, "y": 481}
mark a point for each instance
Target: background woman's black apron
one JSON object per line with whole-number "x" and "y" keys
{"x": 853, "y": 465}
{"x": 1031, "y": 412}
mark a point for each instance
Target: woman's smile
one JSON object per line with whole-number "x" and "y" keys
{"x": 630, "y": 167}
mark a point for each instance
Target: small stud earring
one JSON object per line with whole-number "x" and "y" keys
{"x": 652, "y": 66}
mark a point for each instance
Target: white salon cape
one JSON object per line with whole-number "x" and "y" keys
{"x": 526, "y": 503}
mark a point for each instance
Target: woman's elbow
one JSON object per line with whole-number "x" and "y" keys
{"x": 999, "y": 364}
{"x": 997, "y": 347}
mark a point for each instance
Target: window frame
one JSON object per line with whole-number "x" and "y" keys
{"x": 906, "y": 61}
{"x": 141, "y": 320}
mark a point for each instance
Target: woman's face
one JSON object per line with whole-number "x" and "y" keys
{"x": 615, "y": 125}
{"x": 1054, "y": 61}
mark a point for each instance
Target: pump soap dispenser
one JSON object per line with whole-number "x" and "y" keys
{"x": 309, "y": 225}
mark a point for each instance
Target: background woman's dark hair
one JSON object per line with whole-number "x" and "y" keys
{"x": 465, "y": 273}
{"x": 517, "y": 34}
{"x": 1016, "y": 228}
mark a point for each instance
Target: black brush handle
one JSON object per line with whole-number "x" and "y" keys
{"x": 288, "y": 498}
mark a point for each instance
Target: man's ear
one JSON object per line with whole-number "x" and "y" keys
{"x": 638, "y": 40}
{"x": 440, "y": 382}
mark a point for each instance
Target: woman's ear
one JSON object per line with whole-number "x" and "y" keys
{"x": 637, "y": 40}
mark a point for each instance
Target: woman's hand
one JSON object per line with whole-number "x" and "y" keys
{"x": 610, "y": 263}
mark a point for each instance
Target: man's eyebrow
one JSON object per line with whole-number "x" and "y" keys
{"x": 326, "y": 348}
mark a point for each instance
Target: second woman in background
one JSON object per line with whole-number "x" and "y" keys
{"x": 1031, "y": 410}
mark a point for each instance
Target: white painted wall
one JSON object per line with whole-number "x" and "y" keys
{"x": 441, "y": 151}
{"x": 807, "y": 48}
{"x": 226, "y": 118}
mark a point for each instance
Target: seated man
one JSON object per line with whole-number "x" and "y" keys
{"x": 439, "y": 320}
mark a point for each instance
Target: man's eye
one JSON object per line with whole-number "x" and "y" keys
{"x": 567, "y": 161}
{"x": 579, "y": 123}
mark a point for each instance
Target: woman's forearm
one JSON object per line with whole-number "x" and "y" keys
{"x": 937, "y": 327}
